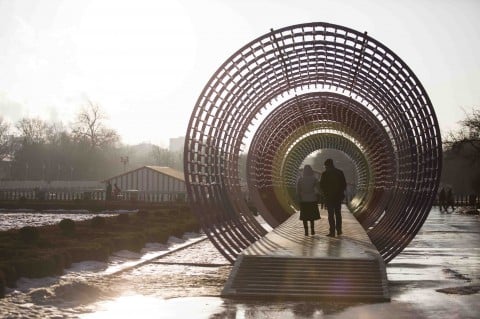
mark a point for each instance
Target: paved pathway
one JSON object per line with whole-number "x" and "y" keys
{"x": 289, "y": 240}
{"x": 286, "y": 264}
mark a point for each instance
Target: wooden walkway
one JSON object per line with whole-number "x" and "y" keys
{"x": 286, "y": 264}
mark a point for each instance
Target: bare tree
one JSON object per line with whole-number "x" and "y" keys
{"x": 162, "y": 156}
{"x": 462, "y": 152}
{"x": 33, "y": 130}
{"x": 467, "y": 138}
{"x": 90, "y": 128}
{"x": 56, "y": 132}
{"x": 5, "y": 139}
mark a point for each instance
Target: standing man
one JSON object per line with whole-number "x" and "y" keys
{"x": 108, "y": 192}
{"x": 333, "y": 185}
{"x": 442, "y": 199}
{"x": 450, "y": 200}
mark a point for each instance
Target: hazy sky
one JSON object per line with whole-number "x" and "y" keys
{"x": 146, "y": 62}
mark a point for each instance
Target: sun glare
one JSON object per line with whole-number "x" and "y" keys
{"x": 132, "y": 57}
{"x": 132, "y": 45}
{"x": 139, "y": 306}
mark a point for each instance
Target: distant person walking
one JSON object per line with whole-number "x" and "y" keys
{"x": 450, "y": 200}
{"x": 442, "y": 200}
{"x": 108, "y": 191}
{"x": 333, "y": 185}
{"x": 116, "y": 191}
{"x": 472, "y": 200}
{"x": 308, "y": 199}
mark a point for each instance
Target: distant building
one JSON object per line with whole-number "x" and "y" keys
{"x": 147, "y": 183}
{"x": 151, "y": 184}
{"x": 176, "y": 144}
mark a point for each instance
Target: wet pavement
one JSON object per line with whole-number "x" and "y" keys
{"x": 436, "y": 276}
{"x": 289, "y": 240}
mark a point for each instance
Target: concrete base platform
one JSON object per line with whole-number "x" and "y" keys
{"x": 286, "y": 264}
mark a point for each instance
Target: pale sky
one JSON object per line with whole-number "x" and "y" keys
{"x": 146, "y": 62}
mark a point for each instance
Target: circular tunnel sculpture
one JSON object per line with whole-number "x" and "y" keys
{"x": 292, "y": 92}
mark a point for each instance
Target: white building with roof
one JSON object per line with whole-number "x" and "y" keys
{"x": 150, "y": 183}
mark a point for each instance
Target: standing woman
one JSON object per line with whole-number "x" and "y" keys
{"x": 307, "y": 198}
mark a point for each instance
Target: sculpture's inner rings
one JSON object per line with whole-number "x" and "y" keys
{"x": 292, "y": 92}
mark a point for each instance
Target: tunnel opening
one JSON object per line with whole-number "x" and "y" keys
{"x": 341, "y": 161}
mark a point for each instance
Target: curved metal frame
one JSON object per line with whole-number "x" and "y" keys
{"x": 299, "y": 88}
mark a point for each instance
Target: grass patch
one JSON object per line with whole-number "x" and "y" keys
{"x": 44, "y": 251}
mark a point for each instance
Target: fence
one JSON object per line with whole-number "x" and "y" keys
{"x": 143, "y": 196}
{"x": 465, "y": 200}
{"x": 97, "y": 194}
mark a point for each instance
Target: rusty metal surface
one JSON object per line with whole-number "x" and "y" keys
{"x": 293, "y": 91}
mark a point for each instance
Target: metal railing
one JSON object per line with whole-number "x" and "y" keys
{"x": 95, "y": 195}
{"x": 463, "y": 200}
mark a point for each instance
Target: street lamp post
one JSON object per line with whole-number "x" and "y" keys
{"x": 124, "y": 160}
